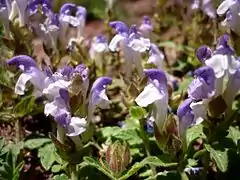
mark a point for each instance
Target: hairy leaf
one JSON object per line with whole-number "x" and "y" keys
{"x": 60, "y": 177}
{"x": 47, "y": 155}
{"x": 137, "y": 112}
{"x": 151, "y": 160}
{"x": 194, "y": 133}
{"x": 219, "y": 156}
{"x": 234, "y": 134}
{"x": 89, "y": 161}
{"x": 36, "y": 143}
{"x": 25, "y": 106}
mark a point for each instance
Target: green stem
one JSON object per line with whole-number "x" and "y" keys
{"x": 60, "y": 134}
{"x": 73, "y": 171}
{"x": 206, "y": 160}
{"x": 146, "y": 143}
{"x": 18, "y": 129}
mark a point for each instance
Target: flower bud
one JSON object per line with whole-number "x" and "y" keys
{"x": 169, "y": 140}
{"x": 118, "y": 156}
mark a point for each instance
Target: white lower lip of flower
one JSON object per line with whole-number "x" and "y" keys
{"x": 53, "y": 88}
{"x": 219, "y": 63}
{"x": 140, "y": 45}
{"x": 77, "y": 126}
{"x": 148, "y": 96}
{"x": 21, "y": 83}
{"x": 224, "y": 6}
{"x": 157, "y": 61}
{"x": 70, "y": 20}
{"x": 115, "y": 42}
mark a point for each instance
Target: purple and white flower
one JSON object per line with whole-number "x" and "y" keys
{"x": 233, "y": 86}
{"x": 230, "y": 8}
{"x": 31, "y": 73}
{"x": 203, "y": 86}
{"x": 45, "y": 83}
{"x": 156, "y": 57}
{"x": 98, "y": 96}
{"x": 146, "y": 27}
{"x": 99, "y": 46}
{"x": 72, "y": 15}
{"x": 132, "y": 45}
{"x": 223, "y": 62}
{"x": 51, "y": 29}
{"x": 59, "y": 108}
{"x": 156, "y": 93}
{"x": 190, "y": 113}
{"x": 206, "y": 6}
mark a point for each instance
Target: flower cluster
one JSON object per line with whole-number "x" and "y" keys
{"x": 217, "y": 80}
{"x": 60, "y": 88}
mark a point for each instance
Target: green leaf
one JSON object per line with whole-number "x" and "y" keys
{"x": 89, "y": 161}
{"x": 192, "y": 162}
{"x": 234, "y": 134}
{"x": 56, "y": 168}
{"x": 25, "y": 106}
{"x": 2, "y": 143}
{"x": 132, "y": 123}
{"x": 47, "y": 155}
{"x": 151, "y": 160}
{"x": 58, "y": 159}
{"x": 9, "y": 170}
{"x": 5, "y": 78}
{"x": 16, "y": 148}
{"x": 17, "y": 170}
{"x": 194, "y": 133}
{"x": 61, "y": 177}
{"x": 137, "y": 112}
{"x": 219, "y": 156}
{"x": 129, "y": 135}
{"x": 107, "y": 132}
{"x": 36, "y": 143}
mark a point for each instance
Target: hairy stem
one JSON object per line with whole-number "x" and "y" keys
{"x": 146, "y": 143}
{"x": 73, "y": 171}
{"x": 18, "y": 129}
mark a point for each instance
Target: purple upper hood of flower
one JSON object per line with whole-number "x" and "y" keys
{"x": 53, "y": 19}
{"x": 119, "y": 26}
{"x": 223, "y": 46}
{"x": 73, "y": 10}
{"x": 203, "y": 53}
{"x": 156, "y": 74}
{"x": 203, "y": 86}
{"x": 22, "y": 60}
{"x": 5, "y": 3}
{"x": 83, "y": 70}
{"x": 101, "y": 39}
{"x": 146, "y": 24}
{"x": 47, "y": 70}
{"x": 66, "y": 71}
{"x": 63, "y": 119}
{"x": 101, "y": 84}
{"x": 184, "y": 109}
{"x": 33, "y": 6}
{"x": 64, "y": 94}
{"x": 146, "y": 20}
